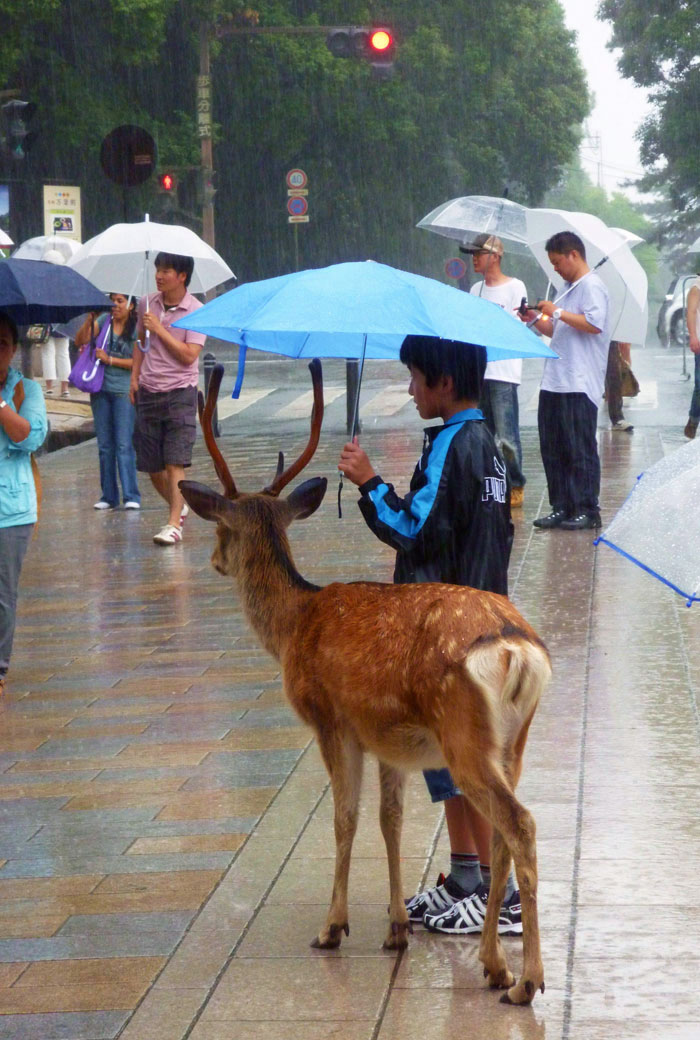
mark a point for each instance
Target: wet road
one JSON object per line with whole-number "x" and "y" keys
{"x": 167, "y": 849}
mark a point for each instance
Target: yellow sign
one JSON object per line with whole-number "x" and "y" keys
{"x": 62, "y": 211}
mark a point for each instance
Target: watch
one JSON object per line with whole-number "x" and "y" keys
{"x": 556, "y": 314}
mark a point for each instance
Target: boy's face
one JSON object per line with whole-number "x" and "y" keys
{"x": 430, "y": 400}
{"x": 168, "y": 279}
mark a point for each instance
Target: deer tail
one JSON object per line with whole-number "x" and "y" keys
{"x": 511, "y": 670}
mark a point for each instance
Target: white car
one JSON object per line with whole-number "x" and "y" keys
{"x": 670, "y": 323}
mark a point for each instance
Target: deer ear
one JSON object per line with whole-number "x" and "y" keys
{"x": 306, "y": 498}
{"x": 206, "y": 503}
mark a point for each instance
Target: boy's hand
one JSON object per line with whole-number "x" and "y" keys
{"x": 355, "y": 464}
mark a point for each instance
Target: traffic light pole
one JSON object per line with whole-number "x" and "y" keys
{"x": 204, "y": 128}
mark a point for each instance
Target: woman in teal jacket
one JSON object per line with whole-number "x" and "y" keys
{"x": 23, "y": 429}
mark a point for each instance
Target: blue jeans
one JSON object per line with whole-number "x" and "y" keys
{"x": 694, "y": 413}
{"x": 499, "y": 403}
{"x": 114, "y": 427}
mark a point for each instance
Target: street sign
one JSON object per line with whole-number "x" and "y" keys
{"x": 455, "y": 268}
{"x": 297, "y": 206}
{"x": 296, "y": 179}
{"x": 298, "y": 220}
{"x": 128, "y": 155}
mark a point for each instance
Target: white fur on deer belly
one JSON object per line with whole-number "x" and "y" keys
{"x": 407, "y": 747}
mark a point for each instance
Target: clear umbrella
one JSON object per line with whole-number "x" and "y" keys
{"x": 527, "y": 230}
{"x": 652, "y": 527}
{"x": 36, "y": 248}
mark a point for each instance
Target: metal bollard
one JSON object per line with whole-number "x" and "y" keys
{"x": 209, "y": 364}
{"x": 352, "y": 382}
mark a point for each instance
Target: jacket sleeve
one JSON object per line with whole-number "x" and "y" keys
{"x": 33, "y": 410}
{"x": 395, "y": 521}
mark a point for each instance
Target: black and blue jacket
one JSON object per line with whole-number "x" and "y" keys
{"x": 454, "y": 524}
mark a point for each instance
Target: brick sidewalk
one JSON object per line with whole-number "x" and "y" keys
{"x": 167, "y": 849}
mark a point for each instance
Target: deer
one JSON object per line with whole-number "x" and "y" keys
{"x": 418, "y": 675}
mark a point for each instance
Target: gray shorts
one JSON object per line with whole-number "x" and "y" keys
{"x": 166, "y": 428}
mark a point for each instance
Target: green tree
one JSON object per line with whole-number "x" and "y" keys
{"x": 659, "y": 42}
{"x": 477, "y": 103}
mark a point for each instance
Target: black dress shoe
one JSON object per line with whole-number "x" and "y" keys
{"x": 554, "y": 519}
{"x": 582, "y": 522}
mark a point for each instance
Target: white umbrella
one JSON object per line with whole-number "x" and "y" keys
{"x": 120, "y": 259}
{"x": 36, "y": 248}
{"x": 527, "y": 231}
{"x": 629, "y": 237}
{"x": 656, "y": 526}
{"x": 5, "y": 240}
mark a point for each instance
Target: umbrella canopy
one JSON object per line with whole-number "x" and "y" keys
{"x": 38, "y": 292}
{"x": 36, "y": 248}
{"x": 120, "y": 259}
{"x": 354, "y": 310}
{"x": 655, "y": 527}
{"x": 5, "y": 240}
{"x": 527, "y": 230}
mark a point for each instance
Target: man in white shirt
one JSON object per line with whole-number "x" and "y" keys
{"x": 499, "y": 398}
{"x": 572, "y": 386}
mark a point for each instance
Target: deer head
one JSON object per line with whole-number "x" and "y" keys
{"x": 251, "y": 526}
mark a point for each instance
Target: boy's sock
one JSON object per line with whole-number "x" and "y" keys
{"x": 465, "y": 871}
{"x": 510, "y": 883}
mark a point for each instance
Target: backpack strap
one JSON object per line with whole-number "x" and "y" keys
{"x": 18, "y": 401}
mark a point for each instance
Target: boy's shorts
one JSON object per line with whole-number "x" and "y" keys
{"x": 440, "y": 784}
{"x": 165, "y": 428}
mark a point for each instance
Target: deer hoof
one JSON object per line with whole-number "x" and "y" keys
{"x": 331, "y": 941}
{"x": 500, "y": 979}
{"x": 397, "y": 939}
{"x": 522, "y": 993}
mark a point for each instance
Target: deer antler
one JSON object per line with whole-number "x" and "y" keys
{"x": 206, "y": 413}
{"x": 284, "y": 476}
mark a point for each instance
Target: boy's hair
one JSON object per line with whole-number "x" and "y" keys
{"x": 563, "y": 242}
{"x": 177, "y": 262}
{"x": 6, "y": 319}
{"x": 434, "y": 357}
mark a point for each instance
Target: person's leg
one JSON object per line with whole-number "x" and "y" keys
{"x": 13, "y": 546}
{"x": 106, "y": 450}
{"x": 180, "y": 431}
{"x": 48, "y": 363}
{"x": 62, "y": 362}
{"x": 506, "y": 419}
{"x": 173, "y": 476}
{"x": 551, "y": 423}
{"x": 694, "y": 413}
{"x": 123, "y": 412}
{"x": 613, "y": 384}
{"x": 585, "y": 461}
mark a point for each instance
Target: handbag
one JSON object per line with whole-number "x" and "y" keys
{"x": 629, "y": 383}
{"x": 38, "y": 333}
{"x": 88, "y": 372}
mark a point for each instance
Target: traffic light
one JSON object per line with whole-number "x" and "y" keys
{"x": 167, "y": 183}
{"x": 374, "y": 44}
{"x": 17, "y": 137}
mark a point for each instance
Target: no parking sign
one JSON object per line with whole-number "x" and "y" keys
{"x": 455, "y": 268}
{"x": 297, "y": 205}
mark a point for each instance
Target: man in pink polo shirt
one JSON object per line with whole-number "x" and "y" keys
{"x": 164, "y": 387}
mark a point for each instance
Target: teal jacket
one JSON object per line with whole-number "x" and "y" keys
{"x": 17, "y": 492}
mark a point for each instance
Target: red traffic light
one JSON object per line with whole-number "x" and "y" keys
{"x": 166, "y": 182}
{"x": 380, "y": 41}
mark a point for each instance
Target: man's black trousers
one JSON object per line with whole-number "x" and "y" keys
{"x": 567, "y": 426}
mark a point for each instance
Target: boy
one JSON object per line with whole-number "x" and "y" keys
{"x": 164, "y": 388}
{"x": 453, "y": 526}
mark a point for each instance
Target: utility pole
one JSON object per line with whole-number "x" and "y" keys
{"x": 204, "y": 129}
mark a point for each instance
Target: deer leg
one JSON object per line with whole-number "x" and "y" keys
{"x": 392, "y": 783}
{"x": 491, "y": 952}
{"x": 343, "y": 758}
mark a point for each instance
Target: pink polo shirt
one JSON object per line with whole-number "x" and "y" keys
{"x": 160, "y": 371}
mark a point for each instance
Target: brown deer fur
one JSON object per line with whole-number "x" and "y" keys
{"x": 421, "y": 676}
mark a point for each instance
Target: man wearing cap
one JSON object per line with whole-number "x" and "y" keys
{"x": 499, "y": 398}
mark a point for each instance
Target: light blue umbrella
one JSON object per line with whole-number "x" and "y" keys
{"x": 358, "y": 310}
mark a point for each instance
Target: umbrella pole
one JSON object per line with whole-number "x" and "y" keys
{"x": 353, "y": 427}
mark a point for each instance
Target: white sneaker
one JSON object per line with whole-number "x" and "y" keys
{"x": 622, "y": 424}
{"x": 102, "y": 505}
{"x": 168, "y": 535}
{"x": 132, "y": 505}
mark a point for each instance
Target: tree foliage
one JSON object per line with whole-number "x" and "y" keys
{"x": 485, "y": 96}
{"x": 660, "y": 42}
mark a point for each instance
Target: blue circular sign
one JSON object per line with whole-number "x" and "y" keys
{"x": 455, "y": 268}
{"x": 297, "y": 206}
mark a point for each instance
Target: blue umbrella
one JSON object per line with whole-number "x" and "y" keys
{"x": 358, "y": 310}
{"x": 37, "y": 292}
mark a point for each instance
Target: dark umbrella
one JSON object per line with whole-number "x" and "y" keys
{"x": 35, "y": 292}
